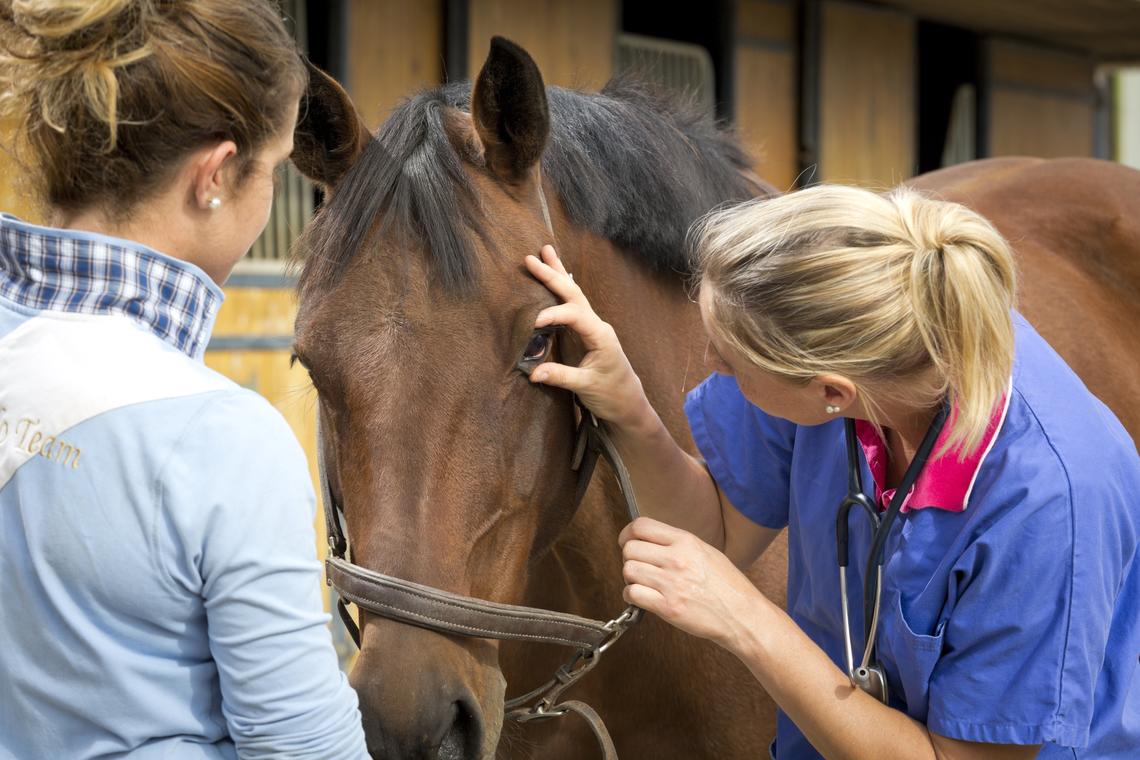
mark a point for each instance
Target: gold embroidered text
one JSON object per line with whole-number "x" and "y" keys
{"x": 26, "y": 434}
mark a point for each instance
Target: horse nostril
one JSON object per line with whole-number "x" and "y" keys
{"x": 463, "y": 739}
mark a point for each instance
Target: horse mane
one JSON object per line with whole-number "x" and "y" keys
{"x": 629, "y": 165}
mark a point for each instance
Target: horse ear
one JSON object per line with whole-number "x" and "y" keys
{"x": 510, "y": 112}
{"x": 330, "y": 135}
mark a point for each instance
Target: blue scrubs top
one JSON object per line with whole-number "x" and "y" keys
{"x": 1015, "y": 620}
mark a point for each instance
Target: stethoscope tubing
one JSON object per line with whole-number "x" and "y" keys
{"x": 881, "y": 528}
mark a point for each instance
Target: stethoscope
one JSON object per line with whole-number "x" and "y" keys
{"x": 870, "y": 676}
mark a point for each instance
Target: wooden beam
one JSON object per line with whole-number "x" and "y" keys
{"x": 868, "y": 95}
{"x": 1106, "y": 29}
{"x": 394, "y": 49}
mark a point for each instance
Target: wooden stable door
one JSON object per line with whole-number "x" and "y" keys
{"x": 572, "y": 41}
{"x": 1042, "y": 102}
{"x": 765, "y": 87}
{"x": 867, "y": 95}
{"x": 395, "y": 48}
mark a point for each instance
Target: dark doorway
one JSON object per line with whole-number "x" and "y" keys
{"x": 326, "y": 41}
{"x": 950, "y": 96}
{"x": 707, "y": 24}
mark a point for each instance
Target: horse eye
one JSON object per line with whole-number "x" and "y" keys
{"x": 537, "y": 347}
{"x": 295, "y": 359}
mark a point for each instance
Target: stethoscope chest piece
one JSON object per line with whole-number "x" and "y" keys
{"x": 872, "y": 680}
{"x": 868, "y": 675}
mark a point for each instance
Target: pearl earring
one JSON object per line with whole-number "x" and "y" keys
{"x": 215, "y": 203}
{"x": 832, "y": 409}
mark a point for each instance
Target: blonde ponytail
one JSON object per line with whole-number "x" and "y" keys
{"x": 883, "y": 289}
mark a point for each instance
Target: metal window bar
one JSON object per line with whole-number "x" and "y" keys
{"x": 674, "y": 66}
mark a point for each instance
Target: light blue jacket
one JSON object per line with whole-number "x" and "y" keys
{"x": 159, "y": 589}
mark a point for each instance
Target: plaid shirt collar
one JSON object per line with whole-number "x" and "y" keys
{"x": 43, "y": 268}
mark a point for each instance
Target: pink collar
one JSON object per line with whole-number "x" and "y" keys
{"x": 946, "y": 481}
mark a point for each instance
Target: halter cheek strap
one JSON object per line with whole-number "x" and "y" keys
{"x": 545, "y": 207}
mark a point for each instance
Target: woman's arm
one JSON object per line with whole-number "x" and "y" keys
{"x": 674, "y": 487}
{"x": 692, "y": 586}
{"x": 840, "y": 720}
{"x": 671, "y": 485}
{"x": 239, "y": 491}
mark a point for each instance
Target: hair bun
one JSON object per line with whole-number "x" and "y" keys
{"x": 72, "y": 25}
{"x": 69, "y": 20}
{"x": 75, "y": 44}
{"x": 105, "y": 95}
{"x": 926, "y": 223}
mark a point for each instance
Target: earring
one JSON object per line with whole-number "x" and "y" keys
{"x": 215, "y": 203}
{"x": 832, "y": 409}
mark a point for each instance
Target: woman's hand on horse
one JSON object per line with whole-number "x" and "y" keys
{"x": 687, "y": 583}
{"x": 604, "y": 379}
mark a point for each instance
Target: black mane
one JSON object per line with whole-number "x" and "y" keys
{"x": 627, "y": 165}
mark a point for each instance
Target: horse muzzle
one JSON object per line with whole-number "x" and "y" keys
{"x": 424, "y": 696}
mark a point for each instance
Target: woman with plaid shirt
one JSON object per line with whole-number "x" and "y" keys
{"x": 159, "y": 591}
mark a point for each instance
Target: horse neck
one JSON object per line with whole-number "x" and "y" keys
{"x": 657, "y": 322}
{"x": 660, "y": 330}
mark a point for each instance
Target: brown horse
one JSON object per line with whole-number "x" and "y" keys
{"x": 416, "y": 322}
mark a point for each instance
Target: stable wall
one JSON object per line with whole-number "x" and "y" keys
{"x": 867, "y": 95}
{"x": 15, "y": 197}
{"x": 395, "y": 48}
{"x": 1042, "y": 101}
{"x": 765, "y": 91}
{"x": 572, "y": 41}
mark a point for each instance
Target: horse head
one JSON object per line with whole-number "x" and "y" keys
{"x": 416, "y": 323}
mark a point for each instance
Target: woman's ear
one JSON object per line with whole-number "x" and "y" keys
{"x": 837, "y": 393}
{"x": 210, "y": 170}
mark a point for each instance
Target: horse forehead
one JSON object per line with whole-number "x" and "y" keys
{"x": 398, "y": 336}
{"x": 401, "y": 290}
{"x": 389, "y": 297}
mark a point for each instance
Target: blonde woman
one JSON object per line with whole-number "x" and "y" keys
{"x": 866, "y": 353}
{"x": 159, "y": 589}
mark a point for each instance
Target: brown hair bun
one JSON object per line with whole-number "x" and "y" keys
{"x": 108, "y": 95}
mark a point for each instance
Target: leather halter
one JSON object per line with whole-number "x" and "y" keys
{"x": 457, "y": 615}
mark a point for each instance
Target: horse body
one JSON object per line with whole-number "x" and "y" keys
{"x": 454, "y": 471}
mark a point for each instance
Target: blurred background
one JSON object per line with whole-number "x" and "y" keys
{"x": 818, "y": 90}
